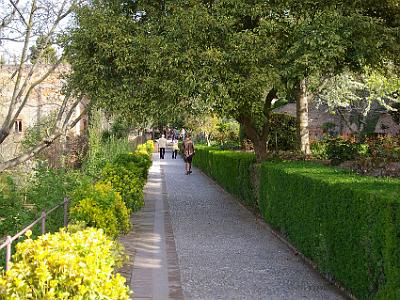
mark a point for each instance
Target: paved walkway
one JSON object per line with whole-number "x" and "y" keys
{"x": 195, "y": 241}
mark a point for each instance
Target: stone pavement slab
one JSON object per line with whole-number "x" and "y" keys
{"x": 152, "y": 271}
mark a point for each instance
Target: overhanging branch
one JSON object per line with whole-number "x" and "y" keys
{"x": 42, "y": 145}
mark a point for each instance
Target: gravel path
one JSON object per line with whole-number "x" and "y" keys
{"x": 224, "y": 252}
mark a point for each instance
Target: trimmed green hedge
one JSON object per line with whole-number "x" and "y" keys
{"x": 231, "y": 169}
{"x": 349, "y": 225}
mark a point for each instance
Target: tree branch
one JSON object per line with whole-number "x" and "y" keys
{"x": 19, "y": 91}
{"x": 44, "y": 144}
{"x": 320, "y": 87}
{"x": 15, "y": 5}
{"x": 272, "y": 94}
{"x": 20, "y": 67}
{"x": 8, "y": 19}
{"x": 62, "y": 108}
{"x": 23, "y": 103}
{"x": 345, "y": 120}
{"x": 41, "y": 52}
{"x": 71, "y": 110}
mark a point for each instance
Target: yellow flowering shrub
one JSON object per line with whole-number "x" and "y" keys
{"x": 127, "y": 182}
{"x": 65, "y": 265}
{"x": 101, "y": 206}
{"x": 150, "y": 146}
{"x": 142, "y": 149}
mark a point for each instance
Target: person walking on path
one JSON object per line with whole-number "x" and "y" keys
{"x": 162, "y": 144}
{"x": 175, "y": 149}
{"x": 183, "y": 134}
{"x": 188, "y": 152}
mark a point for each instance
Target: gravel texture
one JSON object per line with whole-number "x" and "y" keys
{"x": 224, "y": 252}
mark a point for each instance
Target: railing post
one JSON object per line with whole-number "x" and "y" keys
{"x": 8, "y": 252}
{"x": 66, "y": 203}
{"x": 43, "y": 222}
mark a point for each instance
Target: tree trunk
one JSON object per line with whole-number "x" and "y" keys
{"x": 207, "y": 136}
{"x": 259, "y": 137}
{"x": 259, "y": 141}
{"x": 302, "y": 117}
{"x": 260, "y": 149}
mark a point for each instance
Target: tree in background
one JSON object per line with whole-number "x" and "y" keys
{"x": 317, "y": 41}
{"x": 22, "y": 23}
{"x": 47, "y": 52}
{"x": 354, "y": 97}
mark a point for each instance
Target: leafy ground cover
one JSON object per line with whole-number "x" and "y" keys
{"x": 377, "y": 156}
{"x": 99, "y": 211}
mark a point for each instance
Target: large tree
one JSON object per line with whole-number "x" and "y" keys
{"x": 228, "y": 56}
{"x": 121, "y": 61}
{"x": 193, "y": 56}
{"x": 317, "y": 41}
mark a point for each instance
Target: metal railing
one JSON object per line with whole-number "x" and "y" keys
{"x": 42, "y": 219}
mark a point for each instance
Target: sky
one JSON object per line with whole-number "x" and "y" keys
{"x": 10, "y": 51}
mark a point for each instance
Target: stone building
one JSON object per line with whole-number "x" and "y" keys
{"x": 44, "y": 100}
{"x": 378, "y": 121}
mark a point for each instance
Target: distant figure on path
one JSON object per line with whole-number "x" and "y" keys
{"x": 162, "y": 144}
{"x": 175, "y": 134}
{"x": 175, "y": 148}
{"x": 188, "y": 152}
{"x": 183, "y": 134}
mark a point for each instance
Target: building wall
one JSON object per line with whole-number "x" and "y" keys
{"x": 45, "y": 99}
{"x": 318, "y": 116}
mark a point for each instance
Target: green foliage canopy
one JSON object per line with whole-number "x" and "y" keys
{"x": 230, "y": 57}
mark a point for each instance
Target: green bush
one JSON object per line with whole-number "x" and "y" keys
{"x": 383, "y": 148}
{"x": 48, "y": 188}
{"x": 232, "y": 170}
{"x": 150, "y": 147}
{"x": 133, "y": 160}
{"x": 340, "y": 149}
{"x": 21, "y": 206}
{"x": 101, "y": 153}
{"x": 229, "y": 145}
{"x": 143, "y": 149}
{"x": 282, "y": 135}
{"x": 65, "y": 265}
{"x": 347, "y": 224}
{"x": 101, "y": 207}
{"x": 128, "y": 181}
{"x": 318, "y": 149}
{"x": 12, "y": 216}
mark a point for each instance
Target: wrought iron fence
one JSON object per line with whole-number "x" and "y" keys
{"x": 10, "y": 239}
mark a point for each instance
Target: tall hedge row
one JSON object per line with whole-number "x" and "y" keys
{"x": 348, "y": 225}
{"x": 231, "y": 169}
